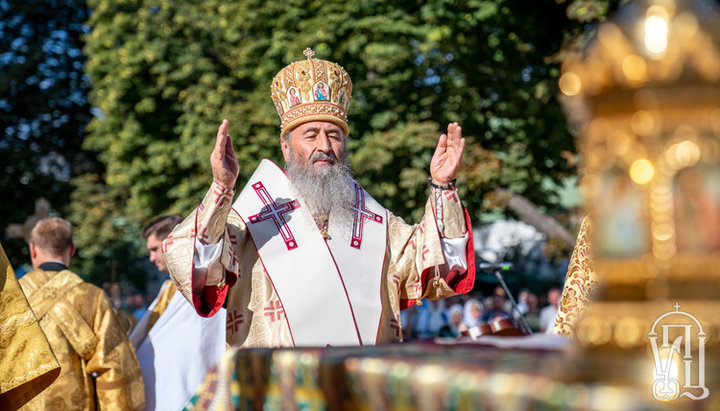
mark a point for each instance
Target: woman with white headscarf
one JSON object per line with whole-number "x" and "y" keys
{"x": 472, "y": 312}
{"x": 454, "y": 325}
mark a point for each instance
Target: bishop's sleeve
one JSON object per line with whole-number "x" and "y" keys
{"x": 118, "y": 381}
{"x": 201, "y": 252}
{"x": 435, "y": 258}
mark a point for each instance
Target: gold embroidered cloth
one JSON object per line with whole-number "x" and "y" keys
{"x": 87, "y": 339}
{"x": 310, "y": 90}
{"x": 27, "y": 364}
{"x": 164, "y": 296}
{"x": 255, "y": 316}
{"x": 580, "y": 282}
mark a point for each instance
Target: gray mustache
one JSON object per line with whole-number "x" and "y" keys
{"x": 323, "y": 156}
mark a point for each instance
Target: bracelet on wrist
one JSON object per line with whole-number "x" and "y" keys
{"x": 446, "y": 186}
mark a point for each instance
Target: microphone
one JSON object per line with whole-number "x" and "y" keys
{"x": 498, "y": 269}
{"x": 492, "y": 267}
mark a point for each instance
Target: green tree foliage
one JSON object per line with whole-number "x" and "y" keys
{"x": 43, "y": 109}
{"x": 165, "y": 73}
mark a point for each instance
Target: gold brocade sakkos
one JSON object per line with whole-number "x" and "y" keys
{"x": 27, "y": 364}
{"x": 304, "y": 91}
{"x": 167, "y": 291}
{"x": 412, "y": 250}
{"x": 99, "y": 367}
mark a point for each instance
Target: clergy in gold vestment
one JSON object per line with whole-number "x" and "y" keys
{"x": 27, "y": 364}
{"x": 98, "y": 365}
{"x": 305, "y": 256}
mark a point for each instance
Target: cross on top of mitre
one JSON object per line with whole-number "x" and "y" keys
{"x": 309, "y": 53}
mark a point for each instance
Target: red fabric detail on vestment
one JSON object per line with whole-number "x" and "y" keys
{"x": 404, "y": 304}
{"x": 460, "y": 281}
{"x": 210, "y": 300}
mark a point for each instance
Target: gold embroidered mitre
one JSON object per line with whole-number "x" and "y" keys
{"x": 311, "y": 90}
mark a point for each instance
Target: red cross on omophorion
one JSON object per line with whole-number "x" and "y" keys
{"x": 276, "y": 212}
{"x": 234, "y": 319}
{"x": 274, "y": 310}
{"x": 361, "y": 213}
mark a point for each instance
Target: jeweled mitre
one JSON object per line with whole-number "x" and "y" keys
{"x": 311, "y": 90}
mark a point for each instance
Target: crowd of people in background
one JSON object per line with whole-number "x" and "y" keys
{"x": 454, "y": 316}
{"x": 450, "y": 317}
{"x": 129, "y": 301}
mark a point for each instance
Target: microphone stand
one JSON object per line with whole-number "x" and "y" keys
{"x": 523, "y": 322}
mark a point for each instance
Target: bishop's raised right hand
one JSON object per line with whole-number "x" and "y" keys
{"x": 224, "y": 164}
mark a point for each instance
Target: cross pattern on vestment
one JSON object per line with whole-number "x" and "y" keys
{"x": 425, "y": 252}
{"x": 361, "y": 213}
{"x": 219, "y": 196}
{"x": 166, "y": 243}
{"x": 201, "y": 232}
{"x": 396, "y": 280}
{"x": 276, "y": 212}
{"x": 234, "y": 319}
{"x": 275, "y": 311}
{"x": 395, "y": 325}
{"x": 233, "y": 258}
{"x": 450, "y": 195}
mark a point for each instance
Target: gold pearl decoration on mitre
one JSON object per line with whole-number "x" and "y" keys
{"x": 311, "y": 90}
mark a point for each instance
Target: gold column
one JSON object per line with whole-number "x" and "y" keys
{"x": 645, "y": 99}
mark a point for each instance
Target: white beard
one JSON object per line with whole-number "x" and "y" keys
{"x": 326, "y": 189}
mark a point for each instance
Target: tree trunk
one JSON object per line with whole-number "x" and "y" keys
{"x": 529, "y": 213}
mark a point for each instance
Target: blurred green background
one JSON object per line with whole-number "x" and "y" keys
{"x": 109, "y": 108}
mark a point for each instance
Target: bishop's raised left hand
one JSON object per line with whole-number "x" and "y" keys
{"x": 448, "y": 155}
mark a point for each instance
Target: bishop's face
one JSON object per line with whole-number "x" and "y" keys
{"x": 316, "y": 143}
{"x": 318, "y": 169}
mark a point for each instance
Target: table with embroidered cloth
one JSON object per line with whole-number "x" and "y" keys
{"x": 507, "y": 373}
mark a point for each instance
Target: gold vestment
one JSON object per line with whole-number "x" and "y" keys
{"x": 99, "y": 367}
{"x": 27, "y": 364}
{"x": 165, "y": 295}
{"x": 580, "y": 282}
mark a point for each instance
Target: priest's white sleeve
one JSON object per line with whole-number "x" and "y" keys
{"x": 454, "y": 252}
{"x": 453, "y": 246}
{"x": 206, "y": 262}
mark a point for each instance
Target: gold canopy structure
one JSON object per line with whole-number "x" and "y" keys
{"x": 646, "y": 100}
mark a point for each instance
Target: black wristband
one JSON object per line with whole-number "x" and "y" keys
{"x": 447, "y": 186}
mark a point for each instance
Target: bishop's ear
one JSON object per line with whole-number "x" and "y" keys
{"x": 285, "y": 148}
